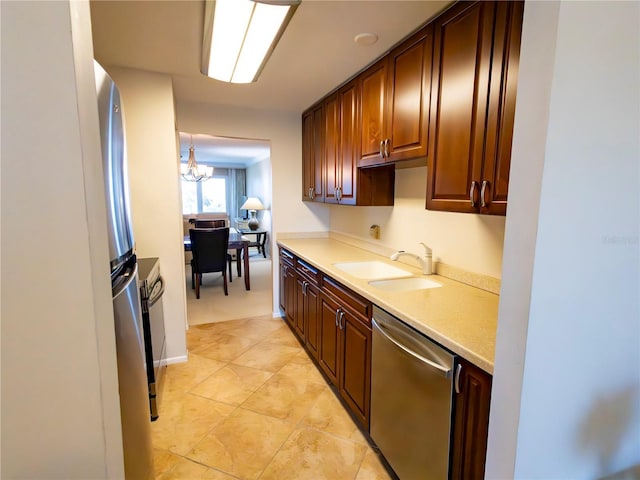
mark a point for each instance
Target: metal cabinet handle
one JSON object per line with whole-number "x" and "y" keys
{"x": 313, "y": 193}
{"x": 381, "y": 149}
{"x": 457, "y": 379}
{"x": 337, "y": 313}
{"x": 341, "y": 320}
{"x": 386, "y": 147}
{"x": 472, "y": 193}
{"x": 483, "y": 201}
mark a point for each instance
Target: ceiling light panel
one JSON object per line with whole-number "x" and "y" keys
{"x": 241, "y": 36}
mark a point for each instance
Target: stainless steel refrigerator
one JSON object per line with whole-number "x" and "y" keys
{"x": 132, "y": 376}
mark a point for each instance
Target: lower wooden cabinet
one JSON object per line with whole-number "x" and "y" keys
{"x": 287, "y": 286}
{"x": 334, "y": 325}
{"x": 470, "y": 422}
{"x": 355, "y": 365}
{"x": 345, "y": 354}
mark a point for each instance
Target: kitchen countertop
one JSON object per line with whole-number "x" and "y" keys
{"x": 460, "y": 317}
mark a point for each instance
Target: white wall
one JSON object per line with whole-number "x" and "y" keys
{"x": 470, "y": 242}
{"x": 289, "y": 213}
{"x": 156, "y": 207}
{"x": 60, "y": 408}
{"x": 259, "y": 185}
{"x": 579, "y": 413}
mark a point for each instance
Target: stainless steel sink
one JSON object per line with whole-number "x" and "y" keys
{"x": 405, "y": 284}
{"x": 372, "y": 270}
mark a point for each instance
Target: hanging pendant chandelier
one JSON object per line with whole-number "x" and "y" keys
{"x": 192, "y": 172}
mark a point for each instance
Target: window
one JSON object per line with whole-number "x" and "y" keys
{"x": 207, "y": 196}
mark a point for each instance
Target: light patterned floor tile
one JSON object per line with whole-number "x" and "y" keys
{"x": 267, "y": 356}
{"x": 301, "y": 367}
{"x": 163, "y": 461}
{"x": 258, "y": 328}
{"x": 328, "y": 415}
{"x": 185, "y": 420}
{"x": 313, "y": 455}
{"x": 232, "y": 384}
{"x": 188, "y": 470}
{"x": 182, "y": 377}
{"x": 282, "y": 336}
{"x": 372, "y": 468}
{"x": 243, "y": 444}
{"x": 284, "y": 398}
{"x": 224, "y": 347}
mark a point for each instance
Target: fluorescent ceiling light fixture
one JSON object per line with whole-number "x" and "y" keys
{"x": 240, "y": 35}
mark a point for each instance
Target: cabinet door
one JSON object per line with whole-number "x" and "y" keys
{"x": 373, "y": 101}
{"x": 332, "y": 149}
{"x": 349, "y": 140}
{"x": 298, "y": 319}
{"x": 502, "y": 105}
{"x": 308, "y": 164}
{"x": 471, "y": 423}
{"x": 290, "y": 294}
{"x": 312, "y": 326}
{"x": 408, "y": 100}
{"x": 286, "y": 261}
{"x": 318, "y": 154}
{"x": 355, "y": 361}
{"x": 461, "y": 65}
{"x": 329, "y": 338}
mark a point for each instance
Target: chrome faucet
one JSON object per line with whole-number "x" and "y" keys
{"x": 425, "y": 260}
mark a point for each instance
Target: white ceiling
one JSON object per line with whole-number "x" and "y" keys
{"x": 315, "y": 54}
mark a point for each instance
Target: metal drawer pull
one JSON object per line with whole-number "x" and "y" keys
{"x": 457, "y": 379}
{"x": 482, "y": 191}
{"x": 341, "y": 320}
{"x": 386, "y": 147}
{"x": 472, "y": 193}
{"x": 381, "y": 149}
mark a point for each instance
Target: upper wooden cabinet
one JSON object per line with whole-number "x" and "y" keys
{"x": 313, "y": 154}
{"x": 394, "y": 99}
{"x": 475, "y": 64}
{"x": 330, "y": 153}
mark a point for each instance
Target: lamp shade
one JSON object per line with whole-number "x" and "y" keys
{"x": 252, "y": 203}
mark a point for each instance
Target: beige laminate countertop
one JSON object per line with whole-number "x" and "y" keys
{"x": 456, "y": 315}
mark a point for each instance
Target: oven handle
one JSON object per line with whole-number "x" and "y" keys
{"x": 157, "y": 297}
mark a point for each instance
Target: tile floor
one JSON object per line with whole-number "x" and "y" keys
{"x": 250, "y": 404}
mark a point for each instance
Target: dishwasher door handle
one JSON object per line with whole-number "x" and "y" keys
{"x": 442, "y": 370}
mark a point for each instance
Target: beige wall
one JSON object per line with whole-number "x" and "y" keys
{"x": 289, "y": 213}
{"x": 156, "y": 210}
{"x": 60, "y": 408}
{"x": 471, "y": 242}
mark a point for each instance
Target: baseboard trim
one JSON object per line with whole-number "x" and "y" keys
{"x": 179, "y": 359}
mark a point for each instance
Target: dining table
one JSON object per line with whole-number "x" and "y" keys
{"x": 240, "y": 244}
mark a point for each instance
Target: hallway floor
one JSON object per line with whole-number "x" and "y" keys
{"x": 250, "y": 404}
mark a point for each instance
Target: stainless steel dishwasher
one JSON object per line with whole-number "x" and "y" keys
{"x": 411, "y": 399}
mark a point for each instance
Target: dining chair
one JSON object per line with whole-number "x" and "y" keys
{"x": 210, "y": 223}
{"x": 209, "y": 248}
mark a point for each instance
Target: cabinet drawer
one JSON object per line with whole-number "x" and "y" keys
{"x": 287, "y": 257}
{"x": 357, "y": 303}
{"x": 307, "y": 271}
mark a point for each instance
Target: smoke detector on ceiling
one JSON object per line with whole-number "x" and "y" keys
{"x": 364, "y": 39}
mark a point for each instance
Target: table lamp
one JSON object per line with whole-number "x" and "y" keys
{"x": 252, "y": 204}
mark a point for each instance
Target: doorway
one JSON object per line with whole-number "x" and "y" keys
{"x": 241, "y": 172}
